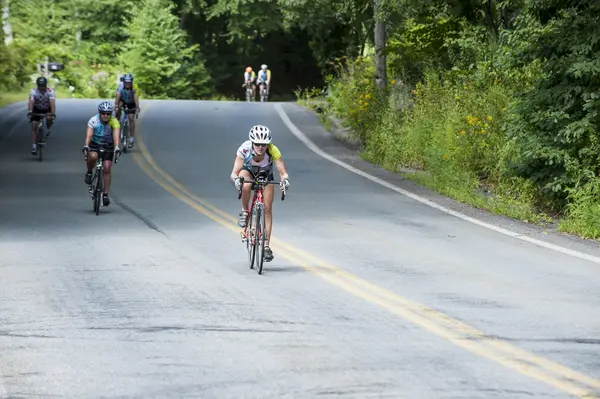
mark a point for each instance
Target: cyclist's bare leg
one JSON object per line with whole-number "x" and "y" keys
{"x": 107, "y": 175}
{"x": 49, "y": 122}
{"x": 91, "y": 160}
{"x": 268, "y": 195}
{"x": 34, "y": 127}
{"x": 131, "y": 125}
{"x": 246, "y": 189}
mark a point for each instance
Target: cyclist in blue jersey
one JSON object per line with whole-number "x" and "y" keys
{"x": 102, "y": 129}
{"x": 127, "y": 98}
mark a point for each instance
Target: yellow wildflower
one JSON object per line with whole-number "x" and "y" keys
{"x": 489, "y": 118}
{"x": 462, "y": 132}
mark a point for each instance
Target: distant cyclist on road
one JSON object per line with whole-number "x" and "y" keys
{"x": 250, "y": 79}
{"x": 256, "y": 155}
{"x": 127, "y": 98}
{"x": 120, "y": 84}
{"x": 41, "y": 101}
{"x": 102, "y": 129}
{"x": 264, "y": 77}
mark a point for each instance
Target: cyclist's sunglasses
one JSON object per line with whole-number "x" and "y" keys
{"x": 260, "y": 145}
{"x": 106, "y": 113}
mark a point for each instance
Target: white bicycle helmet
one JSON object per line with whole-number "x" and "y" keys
{"x": 263, "y": 66}
{"x": 260, "y": 134}
{"x": 105, "y": 106}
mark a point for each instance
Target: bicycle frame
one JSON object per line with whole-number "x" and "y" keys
{"x": 97, "y": 186}
{"x": 258, "y": 186}
{"x": 249, "y": 96}
{"x": 263, "y": 91}
{"x": 41, "y": 133}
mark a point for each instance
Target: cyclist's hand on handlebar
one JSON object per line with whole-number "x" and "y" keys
{"x": 117, "y": 150}
{"x": 85, "y": 149}
{"x": 238, "y": 183}
{"x": 285, "y": 183}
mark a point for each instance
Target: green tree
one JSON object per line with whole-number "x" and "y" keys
{"x": 157, "y": 52}
{"x": 557, "y": 124}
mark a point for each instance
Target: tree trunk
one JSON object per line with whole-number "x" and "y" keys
{"x": 380, "y": 58}
{"x": 488, "y": 9}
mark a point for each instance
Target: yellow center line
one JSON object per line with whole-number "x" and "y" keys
{"x": 438, "y": 323}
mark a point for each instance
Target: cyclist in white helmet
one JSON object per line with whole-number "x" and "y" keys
{"x": 103, "y": 129}
{"x": 264, "y": 77}
{"x": 256, "y": 155}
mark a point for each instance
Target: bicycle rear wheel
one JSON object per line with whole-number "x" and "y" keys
{"x": 250, "y": 238}
{"x": 261, "y": 235}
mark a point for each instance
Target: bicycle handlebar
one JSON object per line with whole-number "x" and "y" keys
{"x": 100, "y": 151}
{"x": 265, "y": 182}
{"x": 40, "y": 115}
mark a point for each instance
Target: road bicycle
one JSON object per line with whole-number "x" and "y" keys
{"x": 125, "y": 128}
{"x": 96, "y": 188}
{"x": 41, "y": 134}
{"x": 255, "y": 233}
{"x": 264, "y": 95}
{"x": 249, "y": 96}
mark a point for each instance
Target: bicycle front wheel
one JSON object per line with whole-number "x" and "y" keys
{"x": 261, "y": 235}
{"x": 250, "y": 239}
{"x": 98, "y": 190}
{"x": 40, "y": 143}
{"x": 125, "y": 133}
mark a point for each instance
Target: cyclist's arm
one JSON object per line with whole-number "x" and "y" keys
{"x": 88, "y": 135}
{"x": 116, "y": 126}
{"x": 52, "y": 101}
{"x": 117, "y": 134}
{"x": 117, "y": 99}
{"x": 30, "y": 105}
{"x": 238, "y": 164}
{"x": 281, "y": 169}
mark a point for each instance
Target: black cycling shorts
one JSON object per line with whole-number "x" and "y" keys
{"x": 257, "y": 171}
{"x": 38, "y": 111}
{"x": 128, "y": 107}
{"x": 108, "y": 153}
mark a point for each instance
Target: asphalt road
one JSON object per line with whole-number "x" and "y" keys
{"x": 371, "y": 294}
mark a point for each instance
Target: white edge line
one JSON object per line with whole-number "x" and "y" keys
{"x": 313, "y": 147}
